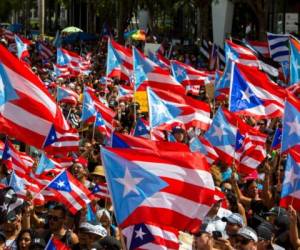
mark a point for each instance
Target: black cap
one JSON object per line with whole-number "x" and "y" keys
{"x": 265, "y": 231}
{"x": 277, "y": 211}
{"x": 110, "y": 242}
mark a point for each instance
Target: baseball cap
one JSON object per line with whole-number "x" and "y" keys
{"x": 206, "y": 228}
{"x": 110, "y": 242}
{"x": 248, "y": 233}
{"x": 265, "y": 231}
{"x": 93, "y": 229}
{"x": 234, "y": 218}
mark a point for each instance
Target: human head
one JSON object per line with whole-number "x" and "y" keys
{"x": 178, "y": 133}
{"x": 234, "y": 223}
{"x": 98, "y": 174}
{"x": 56, "y": 217}
{"x": 203, "y": 239}
{"x": 246, "y": 239}
{"x": 24, "y": 239}
{"x": 265, "y": 235}
{"x": 89, "y": 233}
{"x": 251, "y": 188}
{"x": 79, "y": 169}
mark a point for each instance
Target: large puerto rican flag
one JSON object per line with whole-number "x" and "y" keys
{"x": 143, "y": 184}
{"x": 27, "y": 111}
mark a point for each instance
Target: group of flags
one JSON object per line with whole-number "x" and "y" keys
{"x": 157, "y": 186}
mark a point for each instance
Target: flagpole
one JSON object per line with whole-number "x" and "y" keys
{"x": 94, "y": 126}
{"x": 49, "y": 241}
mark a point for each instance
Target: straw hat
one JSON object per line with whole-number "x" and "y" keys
{"x": 99, "y": 170}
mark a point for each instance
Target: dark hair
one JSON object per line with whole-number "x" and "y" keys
{"x": 248, "y": 183}
{"x": 60, "y": 207}
{"x": 232, "y": 199}
{"x": 23, "y": 231}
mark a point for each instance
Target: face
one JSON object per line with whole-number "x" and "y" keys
{"x": 253, "y": 190}
{"x": 232, "y": 229}
{"x": 25, "y": 241}
{"x": 242, "y": 243}
{"x": 97, "y": 179}
{"x": 179, "y": 136}
{"x": 56, "y": 219}
{"x": 11, "y": 226}
{"x": 78, "y": 171}
{"x": 263, "y": 244}
{"x": 105, "y": 221}
{"x": 204, "y": 241}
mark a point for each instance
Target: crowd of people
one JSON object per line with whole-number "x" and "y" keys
{"x": 247, "y": 218}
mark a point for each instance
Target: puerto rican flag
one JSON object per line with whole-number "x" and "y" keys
{"x": 177, "y": 186}
{"x": 168, "y": 109}
{"x": 22, "y": 50}
{"x": 148, "y": 74}
{"x": 125, "y": 93}
{"x": 150, "y": 236}
{"x": 92, "y": 106}
{"x": 48, "y": 165}
{"x": 127, "y": 141}
{"x": 101, "y": 191}
{"x": 27, "y": 111}
{"x": 69, "y": 191}
{"x": 290, "y": 192}
{"x": 160, "y": 60}
{"x": 203, "y": 146}
{"x": 119, "y": 61}
{"x": 66, "y": 95}
{"x": 142, "y": 128}
{"x": 44, "y": 50}
{"x": 261, "y": 47}
{"x": 55, "y": 244}
{"x": 253, "y": 93}
{"x": 187, "y": 75}
{"x": 222, "y": 135}
{"x": 61, "y": 71}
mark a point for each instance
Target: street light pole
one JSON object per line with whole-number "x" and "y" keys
{"x": 42, "y": 16}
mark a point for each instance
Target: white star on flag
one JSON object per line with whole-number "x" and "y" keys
{"x": 246, "y": 95}
{"x": 60, "y": 183}
{"x": 139, "y": 233}
{"x": 4, "y": 207}
{"x": 294, "y": 127}
{"x": 179, "y": 71}
{"x": 129, "y": 183}
{"x": 290, "y": 177}
{"x": 218, "y": 132}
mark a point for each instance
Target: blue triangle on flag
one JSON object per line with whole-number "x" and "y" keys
{"x": 197, "y": 146}
{"x": 16, "y": 182}
{"x": 113, "y": 59}
{"x": 61, "y": 58}
{"x": 140, "y": 128}
{"x": 61, "y": 183}
{"x": 241, "y": 96}
{"x": 239, "y": 140}
{"x": 6, "y": 151}
{"x": 141, "y": 68}
{"x": 291, "y": 127}
{"x": 88, "y": 109}
{"x": 99, "y": 120}
{"x": 160, "y": 111}
{"x": 44, "y": 164}
{"x": 277, "y": 138}
{"x": 291, "y": 181}
{"x": 61, "y": 94}
{"x": 178, "y": 72}
{"x": 117, "y": 142}
{"x": 7, "y": 91}
{"x": 141, "y": 235}
{"x": 129, "y": 184}
{"x": 221, "y": 133}
{"x": 51, "y": 138}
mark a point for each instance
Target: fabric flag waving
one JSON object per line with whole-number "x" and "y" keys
{"x": 166, "y": 109}
{"x": 187, "y": 75}
{"x": 142, "y": 128}
{"x": 294, "y": 61}
{"x": 28, "y": 112}
{"x": 253, "y": 93}
{"x": 119, "y": 61}
{"x": 55, "y": 244}
{"x": 101, "y": 191}
{"x": 290, "y": 193}
{"x": 278, "y": 47}
{"x": 148, "y": 236}
{"x": 70, "y": 191}
{"x": 66, "y": 95}
{"x": 143, "y": 184}
{"x": 291, "y": 124}
{"x": 22, "y": 48}
{"x": 276, "y": 143}
{"x": 147, "y": 73}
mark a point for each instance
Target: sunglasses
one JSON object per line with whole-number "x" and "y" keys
{"x": 54, "y": 218}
